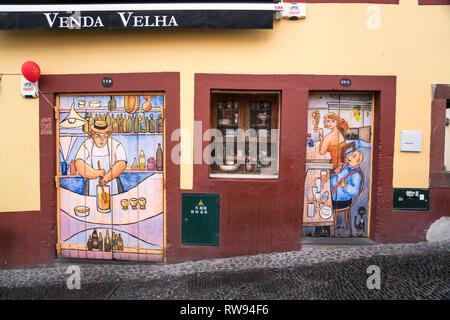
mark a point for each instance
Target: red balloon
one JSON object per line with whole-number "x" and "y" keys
{"x": 31, "y": 71}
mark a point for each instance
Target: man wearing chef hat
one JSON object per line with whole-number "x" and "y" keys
{"x": 101, "y": 159}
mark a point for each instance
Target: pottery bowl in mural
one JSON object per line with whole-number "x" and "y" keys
{"x": 81, "y": 211}
{"x": 95, "y": 103}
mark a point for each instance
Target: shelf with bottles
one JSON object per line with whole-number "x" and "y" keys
{"x": 105, "y": 109}
{"x": 139, "y": 123}
{"x": 81, "y": 134}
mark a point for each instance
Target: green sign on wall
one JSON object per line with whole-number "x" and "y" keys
{"x": 200, "y": 219}
{"x": 412, "y": 199}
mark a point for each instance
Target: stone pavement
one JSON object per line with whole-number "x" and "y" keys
{"x": 408, "y": 271}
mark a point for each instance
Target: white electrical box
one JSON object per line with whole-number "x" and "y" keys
{"x": 290, "y": 10}
{"x": 29, "y": 89}
{"x": 411, "y": 141}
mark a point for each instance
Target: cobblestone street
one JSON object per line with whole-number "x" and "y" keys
{"x": 408, "y": 271}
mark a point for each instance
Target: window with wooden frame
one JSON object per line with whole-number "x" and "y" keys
{"x": 244, "y": 138}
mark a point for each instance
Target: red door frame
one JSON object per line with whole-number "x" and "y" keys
{"x": 50, "y": 86}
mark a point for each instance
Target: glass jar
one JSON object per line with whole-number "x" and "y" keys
{"x": 103, "y": 199}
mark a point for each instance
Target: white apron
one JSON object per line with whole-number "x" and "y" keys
{"x": 105, "y": 163}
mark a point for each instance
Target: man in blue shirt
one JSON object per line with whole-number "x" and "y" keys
{"x": 345, "y": 184}
{"x": 346, "y": 181}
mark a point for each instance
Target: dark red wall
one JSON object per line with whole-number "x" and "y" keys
{"x": 256, "y": 216}
{"x": 260, "y": 216}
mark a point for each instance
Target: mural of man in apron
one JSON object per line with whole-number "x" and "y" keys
{"x": 101, "y": 159}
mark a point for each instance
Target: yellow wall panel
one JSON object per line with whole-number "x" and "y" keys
{"x": 19, "y": 145}
{"x": 411, "y": 43}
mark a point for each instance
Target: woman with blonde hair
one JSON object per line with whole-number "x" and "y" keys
{"x": 333, "y": 141}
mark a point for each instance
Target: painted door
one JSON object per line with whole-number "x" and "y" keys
{"x": 338, "y": 162}
{"x": 111, "y": 178}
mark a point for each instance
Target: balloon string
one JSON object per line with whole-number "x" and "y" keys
{"x": 48, "y": 101}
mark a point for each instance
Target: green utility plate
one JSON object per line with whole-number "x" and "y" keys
{"x": 200, "y": 219}
{"x": 412, "y": 199}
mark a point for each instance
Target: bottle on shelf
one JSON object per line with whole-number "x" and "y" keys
{"x": 129, "y": 124}
{"x": 159, "y": 124}
{"x": 111, "y": 104}
{"x": 114, "y": 241}
{"x": 108, "y": 119}
{"x": 73, "y": 169}
{"x": 95, "y": 239}
{"x": 115, "y": 125}
{"x": 159, "y": 158}
{"x": 122, "y": 124}
{"x": 143, "y": 124}
{"x": 248, "y": 166}
{"x": 100, "y": 242}
{"x": 147, "y": 124}
{"x": 89, "y": 243}
{"x": 152, "y": 124}
{"x": 134, "y": 166}
{"x": 136, "y": 124}
{"x": 120, "y": 243}
{"x": 142, "y": 161}
{"x": 107, "y": 242}
{"x": 86, "y": 125}
{"x": 151, "y": 164}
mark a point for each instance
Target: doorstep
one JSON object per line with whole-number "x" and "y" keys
{"x": 331, "y": 242}
{"x": 84, "y": 261}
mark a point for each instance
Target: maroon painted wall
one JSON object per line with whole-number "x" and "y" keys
{"x": 256, "y": 216}
{"x": 260, "y": 216}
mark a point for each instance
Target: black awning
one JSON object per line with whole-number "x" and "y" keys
{"x": 231, "y": 15}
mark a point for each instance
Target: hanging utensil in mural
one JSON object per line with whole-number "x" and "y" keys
{"x": 131, "y": 104}
{"x": 147, "y": 105}
{"x": 73, "y": 119}
{"x": 316, "y": 119}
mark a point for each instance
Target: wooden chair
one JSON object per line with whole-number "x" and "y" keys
{"x": 347, "y": 210}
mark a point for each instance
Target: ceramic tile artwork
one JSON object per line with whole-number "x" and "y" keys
{"x": 338, "y": 158}
{"x": 118, "y": 138}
